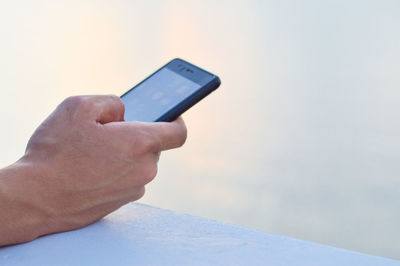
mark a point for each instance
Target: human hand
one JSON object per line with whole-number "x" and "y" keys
{"x": 82, "y": 163}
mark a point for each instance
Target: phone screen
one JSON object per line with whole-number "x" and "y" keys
{"x": 157, "y": 95}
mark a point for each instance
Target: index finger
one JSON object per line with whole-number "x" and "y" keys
{"x": 154, "y": 136}
{"x": 100, "y": 108}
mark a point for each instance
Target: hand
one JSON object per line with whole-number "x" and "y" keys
{"x": 82, "y": 163}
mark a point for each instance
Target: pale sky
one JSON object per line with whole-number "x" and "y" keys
{"x": 301, "y": 139}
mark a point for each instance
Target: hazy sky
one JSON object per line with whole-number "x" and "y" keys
{"x": 301, "y": 139}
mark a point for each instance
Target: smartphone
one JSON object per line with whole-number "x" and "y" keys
{"x": 168, "y": 92}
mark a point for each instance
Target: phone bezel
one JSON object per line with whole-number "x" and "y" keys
{"x": 208, "y": 82}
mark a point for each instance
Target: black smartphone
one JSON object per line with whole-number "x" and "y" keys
{"x": 168, "y": 92}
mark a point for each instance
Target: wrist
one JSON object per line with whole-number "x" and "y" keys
{"x": 22, "y": 216}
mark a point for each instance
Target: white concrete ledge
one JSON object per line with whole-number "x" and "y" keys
{"x": 142, "y": 235}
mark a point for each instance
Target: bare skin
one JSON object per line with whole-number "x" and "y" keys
{"x": 82, "y": 163}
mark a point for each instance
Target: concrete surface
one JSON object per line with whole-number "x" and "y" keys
{"x": 138, "y": 234}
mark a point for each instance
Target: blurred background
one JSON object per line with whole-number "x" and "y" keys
{"x": 301, "y": 139}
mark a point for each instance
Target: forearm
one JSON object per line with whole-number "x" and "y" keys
{"x": 21, "y": 220}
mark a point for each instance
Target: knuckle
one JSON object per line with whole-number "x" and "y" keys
{"x": 73, "y": 101}
{"x": 115, "y": 98}
{"x": 119, "y": 103}
{"x": 141, "y": 193}
{"x": 137, "y": 194}
{"x": 77, "y": 102}
{"x": 149, "y": 173}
